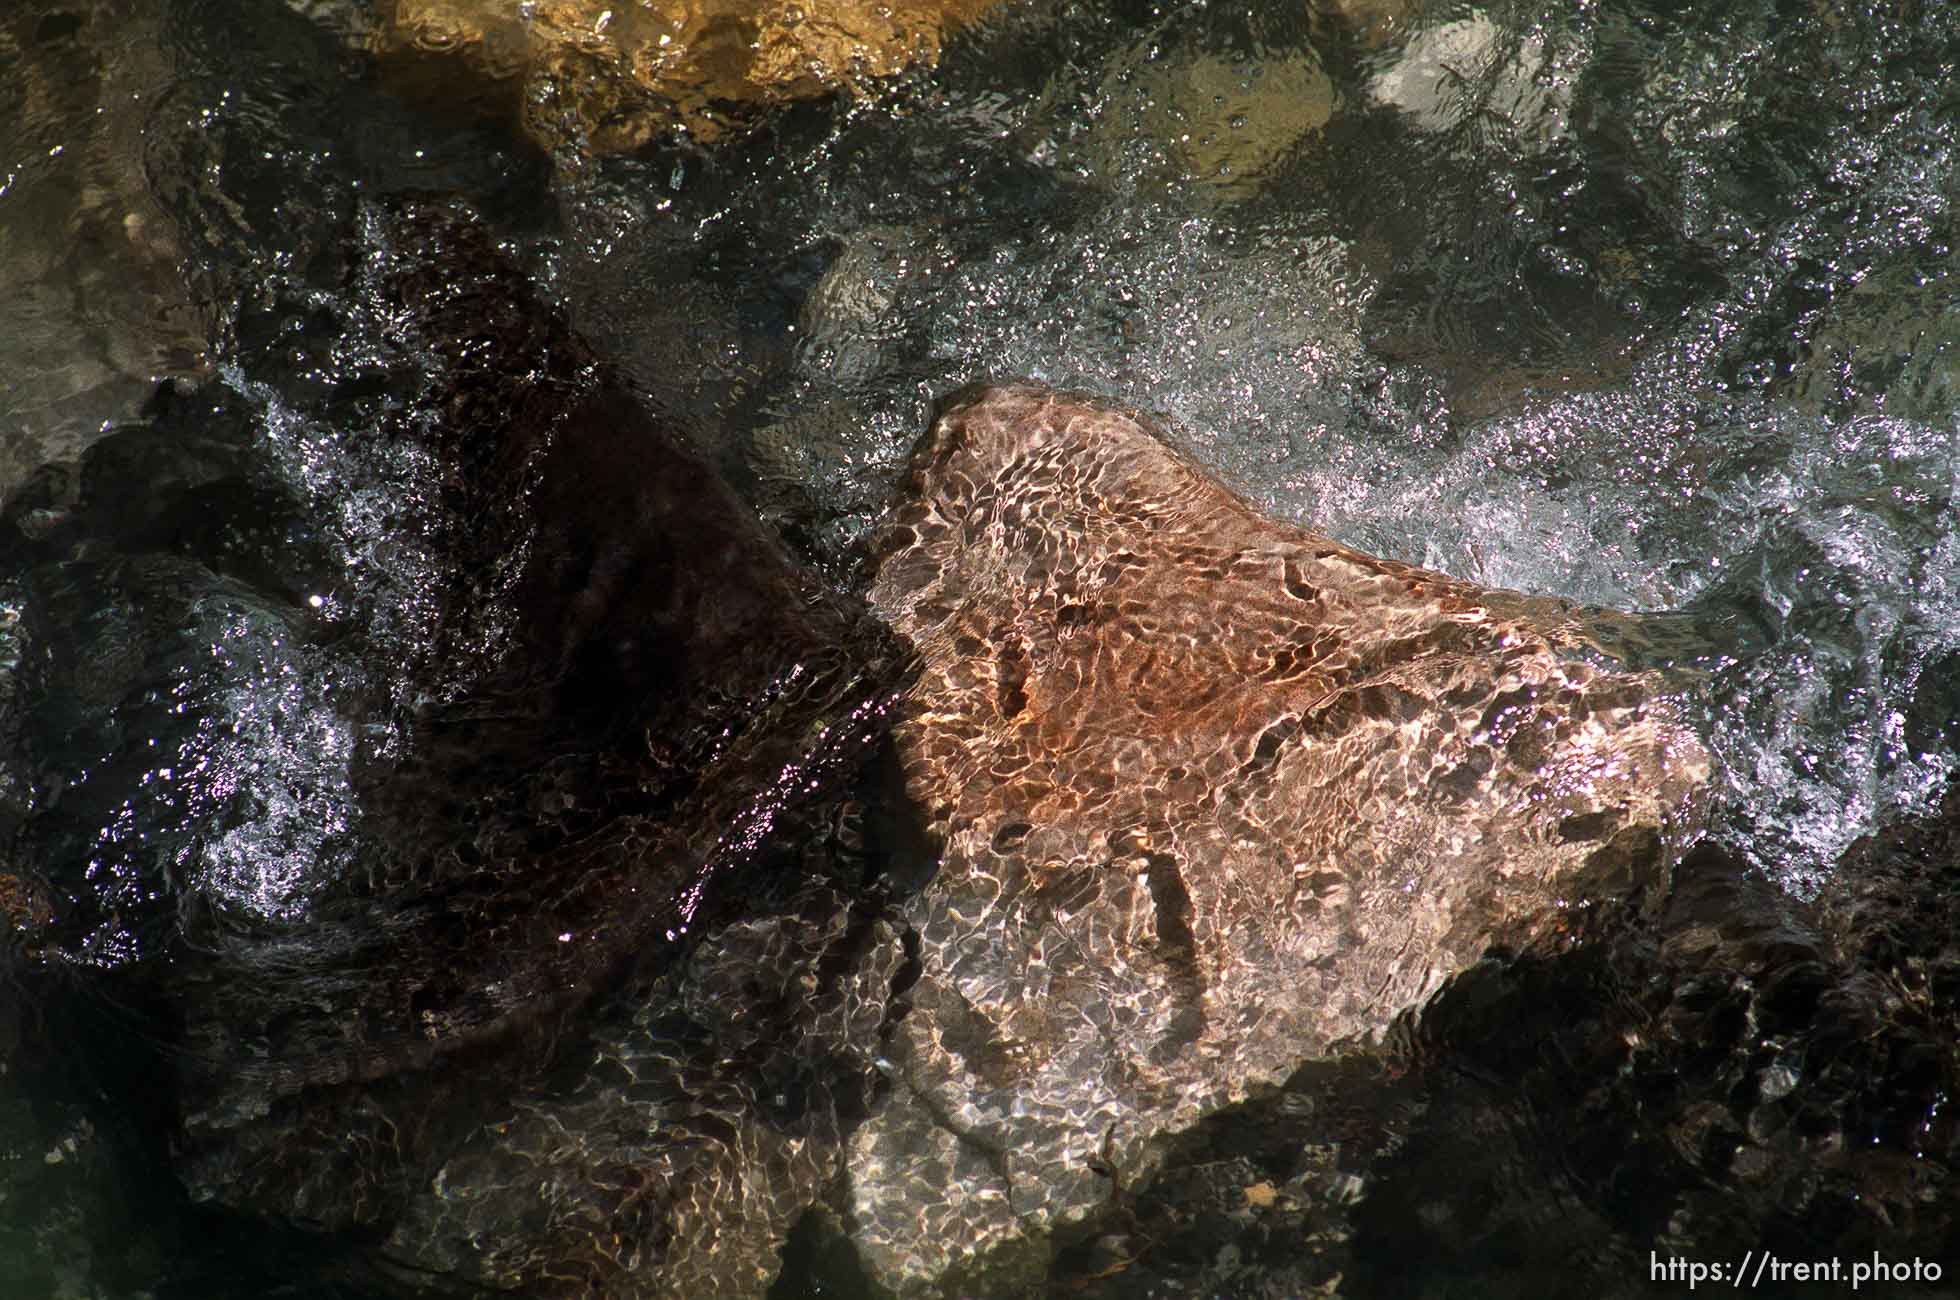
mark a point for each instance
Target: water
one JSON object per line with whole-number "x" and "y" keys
{"x": 1650, "y": 309}
{"x": 1570, "y": 302}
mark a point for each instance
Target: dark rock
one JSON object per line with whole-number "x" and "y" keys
{"x": 592, "y": 836}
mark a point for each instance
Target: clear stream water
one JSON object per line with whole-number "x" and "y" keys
{"x": 1652, "y": 306}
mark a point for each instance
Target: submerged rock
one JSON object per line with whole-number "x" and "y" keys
{"x": 1738, "y": 1065}
{"x": 611, "y": 77}
{"x": 1734, "y": 1064}
{"x": 575, "y": 774}
{"x": 1473, "y": 69}
{"x": 1228, "y": 121}
{"x": 1218, "y": 796}
{"x": 575, "y": 1035}
{"x": 1240, "y": 835}
{"x": 97, "y": 306}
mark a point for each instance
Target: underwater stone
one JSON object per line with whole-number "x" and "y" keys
{"x": 609, "y": 77}
{"x": 1218, "y": 796}
{"x": 513, "y": 1047}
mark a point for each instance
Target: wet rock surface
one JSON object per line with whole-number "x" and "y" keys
{"x": 1733, "y": 1065}
{"x": 1217, "y": 795}
{"x": 89, "y": 261}
{"x": 298, "y": 666}
{"x": 605, "y": 77}
{"x": 1741, "y": 1068}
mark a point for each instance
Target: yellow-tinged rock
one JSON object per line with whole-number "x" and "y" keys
{"x": 1222, "y": 123}
{"x": 1229, "y": 122}
{"x": 608, "y": 75}
{"x": 1262, "y": 1196}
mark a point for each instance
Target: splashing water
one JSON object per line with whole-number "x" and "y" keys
{"x": 1540, "y": 301}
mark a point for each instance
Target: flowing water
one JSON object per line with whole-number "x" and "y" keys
{"x": 1644, "y": 305}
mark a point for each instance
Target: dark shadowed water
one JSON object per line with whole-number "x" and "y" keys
{"x": 1651, "y": 306}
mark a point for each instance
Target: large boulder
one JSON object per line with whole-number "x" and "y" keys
{"x": 610, "y": 77}
{"x": 1218, "y": 797}
{"x": 482, "y": 822}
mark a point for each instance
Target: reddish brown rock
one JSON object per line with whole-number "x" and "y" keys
{"x": 1218, "y": 796}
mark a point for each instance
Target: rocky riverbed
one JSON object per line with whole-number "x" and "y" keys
{"x": 516, "y": 774}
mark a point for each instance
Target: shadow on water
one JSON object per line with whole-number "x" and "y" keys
{"x": 490, "y": 551}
